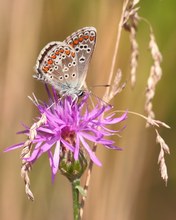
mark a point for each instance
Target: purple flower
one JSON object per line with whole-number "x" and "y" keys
{"x": 69, "y": 125}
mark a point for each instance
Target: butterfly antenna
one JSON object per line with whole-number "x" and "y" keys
{"x": 93, "y": 94}
{"x": 103, "y": 85}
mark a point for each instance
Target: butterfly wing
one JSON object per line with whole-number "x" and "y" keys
{"x": 64, "y": 64}
{"x": 83, "y": 41}
{"x": 57, "y": 65}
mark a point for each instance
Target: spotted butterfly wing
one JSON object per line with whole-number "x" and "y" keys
{"x": 57, "y": 65}
{"x": 83, "y": 41}
{"x": 64, "y": 64}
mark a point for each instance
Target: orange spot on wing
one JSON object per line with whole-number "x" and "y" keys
{"x": 92, "y": 38}
{"x": 76, "y": 41}
{"x": 71, "y": 44}
{"x": 67, "y": 52}
{"x": 45, "y": 69}
{"x": 61, "y": 50}
{"x": 53, "y": 56}
{"x": 81, "y": 39}
{"x": 73, "y": 54}
{"x": 57, "y": 52}
{"x": 50, "y": 61}
{"x": 85, "y": 37}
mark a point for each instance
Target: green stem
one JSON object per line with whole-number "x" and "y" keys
{"x": 76, "y": 205}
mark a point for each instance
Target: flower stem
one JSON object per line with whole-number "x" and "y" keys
{"x": 75, "y": 192}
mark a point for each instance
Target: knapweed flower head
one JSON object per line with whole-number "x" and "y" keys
{"x": 68, "y": 127}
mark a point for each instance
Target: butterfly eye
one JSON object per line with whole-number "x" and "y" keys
{"x": 74, "y": 63}
{"x": 92, "y": 33}
{"x": 66, "y": 76}
{"x": 77, "y": 49}
{"x": 86, "y": 33}
{"x": 51, "y": 70}
{"x": 88, "y": 50}
{"x": 65, "y": 68}
{"x": 60, "y": 78}
{"x": 81, "y": 47}
{"x": 73, "y": 75}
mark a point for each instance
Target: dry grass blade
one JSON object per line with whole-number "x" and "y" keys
{"x": 135, "y": 2}
{"x": 26, "y": 152}
{"x": 161, "y": 160}
{"x": 155, "y": 76}
{"x": 163, "y": 146}
{"x": 116, "y": 87}
{"x": 150, "y": 121}
{"x": 157, "y": 123}
{"x": 119, "y": 32}
{"x": 134, "y": 56}
{"x": 162, "y": 123}
{"x": 26, "y": 167}
{"x": 130, "y": 24}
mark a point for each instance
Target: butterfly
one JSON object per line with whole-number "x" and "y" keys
{"x": 64, "y": 65}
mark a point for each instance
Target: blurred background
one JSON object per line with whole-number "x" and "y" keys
{"x": 128, "y": 186}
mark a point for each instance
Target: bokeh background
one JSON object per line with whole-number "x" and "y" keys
{"x": 128, "y": 186}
